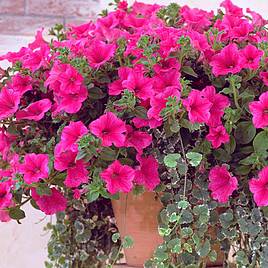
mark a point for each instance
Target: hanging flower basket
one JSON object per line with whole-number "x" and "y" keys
{"x": 159, "y": 110}
{"x": 136, "y": 216}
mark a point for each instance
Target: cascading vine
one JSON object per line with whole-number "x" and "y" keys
{"x": 169, "y": 99}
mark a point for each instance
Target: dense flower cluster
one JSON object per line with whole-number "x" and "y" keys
{"x": 85, "y": 106}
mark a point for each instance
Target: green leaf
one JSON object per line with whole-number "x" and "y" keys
{"x": 182, "y": 167}
{"x": 171, "y": 160}
{"x": 16, "y": 213}
{"x": 186, "y": 217}
{"x": 194, "y": 158}
{"x": 96, "y": 93}
{"x": 212, "y": 255}
{"x": 115, "y": 237}
{"x": 79, "y": 227}
{"x": 183, "y": 204}
{"x": 160, "y": 253}
{"x": 226, "y": 219}
{"x": 242, "y": 170}
{"x": 138, "y": 190}
{"x": 127, "y": 242}
{"x": 108, "y": 154}
{"x": 85, "y": 237}
{"x": 174, "y": 217}
{"x": 230, "y": 146}
{"x": 189, "y": 70}
{"x": 222, "y": 155}
{"x": 80, "y": 155}
{"x": 186, "y": 232}
{"x": 196, "y": 239}
{"x": 43, "y": 189}
{"x": 175, "y": 126}
{"x": 140, "y": 112}
{"x": 249, "y": 160}
{"x": 260, "y": 143}
{"x": 34, "y": 204}
{"x": 202, "y": 212}
{"x": 174, "y": 245}
{"x": 188, "y": 247}
{"x": 245, "y": 132}
{"x": 256, "y": 215}
{"x": 92, "y": 196}
{"x": 204, "y": 250}
{"x": 242, "y": 258}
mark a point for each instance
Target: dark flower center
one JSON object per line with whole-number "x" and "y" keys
{"x": 115, "y": 175}
{"x": 3, "y": 194}
{"x": 105, "y": 132}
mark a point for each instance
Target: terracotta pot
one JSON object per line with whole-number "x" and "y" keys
{"x": 137, "y": 216}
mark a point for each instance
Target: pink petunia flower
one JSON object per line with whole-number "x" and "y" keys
{"x": 158, "y": 102}
{"x": 259, "y": 110}
{"x": 218, "y": 136}
{"x": 72, "y": 133}
{"x": 221, "y": 183}
{"x": 53, "y": 78}
{"x": 264, "y": 77}
{"x": 219, "y": 103}
{"x": 118, "y": 177}
{"x": 21, "y": 83}
{"x": 241, "y": 32}
{"x": 251, "y": 57}
{"x": 80, "y": 31}
{"x": 5, "y": 194}
{"x": 77, "y": 194}
{"x": 134, "y": 21}
{"x": 9, "y": 102}
{"x": 70, "y": 102}
{"x": 39, "y": 41}
{"x": 110, "y": 129}
{"x": 257, "y": 19}
{"x": 147, "y": 173}
{"x": 4, "y": 215}
{"x": 164, "y": 80}
{"x": 259, "y": 188}
{"x": 166, "y": 65}
{"x": 13, "y": 57}
{"x": 137, "y": 139}
{"x": 116, "y": 87}
{"x": 232, "y": 9}
{"x": 99, "y": 53}
{"x": 35, "y": 111}
{"x": 76, "y": 169}
{"x": 69, "y": 92}
{"x": 195, "y": 18}
{"x": 70, "y": 80}
{"x": 227, "y": 61}
{"x": 139, "y": 84}
{"x": 6, "y": 140}
{"x": 145, "y": 122}
{"x": 36, "y": 59}
{"x": 50, "y": 204}
{"x": 198, "y": 107}
{"x": 35, "y": 167}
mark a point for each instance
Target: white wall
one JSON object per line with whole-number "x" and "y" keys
{"x": 260, "y": 6}
{"x": 25, "y": 245}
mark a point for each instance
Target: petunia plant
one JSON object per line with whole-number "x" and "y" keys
{"x": 169, "y": 99}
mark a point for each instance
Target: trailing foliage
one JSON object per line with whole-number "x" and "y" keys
{"x": 170, "y": 99}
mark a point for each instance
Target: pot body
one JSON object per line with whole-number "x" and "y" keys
{"x": 136, "y": 216}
